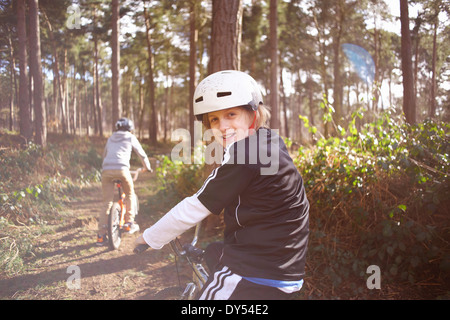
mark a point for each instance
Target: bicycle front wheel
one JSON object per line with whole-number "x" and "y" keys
{"x": 136, "y": 205}
{"x": 114, "y": 226}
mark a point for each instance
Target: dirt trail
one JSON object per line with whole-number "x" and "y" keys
{"x": 105, "y": 274}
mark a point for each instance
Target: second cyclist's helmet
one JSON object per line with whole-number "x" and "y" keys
{"x": 124, "y": 124}
{"x": 226, "y": 89}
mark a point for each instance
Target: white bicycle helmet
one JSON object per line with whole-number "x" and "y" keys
{"x": 125, "y": 124}
{"x": 226, "y": 89}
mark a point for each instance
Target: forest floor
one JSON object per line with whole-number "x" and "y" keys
{"x": 105, "y": 274}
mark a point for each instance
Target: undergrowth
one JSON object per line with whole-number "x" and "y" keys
{"x": 33, "y": 184}
{"x": 379, "y": 196}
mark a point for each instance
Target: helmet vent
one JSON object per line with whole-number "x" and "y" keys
{"x": 223, "y": 94}
{"x": 199, "y": 99}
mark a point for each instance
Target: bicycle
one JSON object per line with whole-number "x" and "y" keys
{"x": 116, "y": 218}
{"x": 193, "y": 256}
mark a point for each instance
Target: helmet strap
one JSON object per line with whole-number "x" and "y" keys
{"x": 254, "y": 122}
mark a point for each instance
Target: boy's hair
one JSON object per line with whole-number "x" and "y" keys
{"x": 262, "y": 117}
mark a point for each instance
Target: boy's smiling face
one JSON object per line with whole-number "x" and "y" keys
{"x": 230, "y": 125}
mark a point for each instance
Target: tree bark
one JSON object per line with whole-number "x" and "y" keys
{"x": 153, "y": 125}
{"x": 273, "y": 44}
{"x": 60, "y": 102}
{"x": 409, "y": 100}
{"x": 96, "y": 106}
{"x": 433, "y": 72}
{"x": 193, "y": 36}
{"x": 226, "y": 35}
{"x": 12, "y": 90}
{"x": 337, "y": 82}
{"x": 98, "y": 103}
{"x": 36, "y": 72}
{"x": 115, "y": 64}
{"x": 285, "y": 106}
{"x": 24, "y": 100}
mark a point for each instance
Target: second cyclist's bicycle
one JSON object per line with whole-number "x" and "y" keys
{"x": 116, "y": 219}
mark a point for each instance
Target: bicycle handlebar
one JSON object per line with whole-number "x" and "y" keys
{"x": 135, "y": 173}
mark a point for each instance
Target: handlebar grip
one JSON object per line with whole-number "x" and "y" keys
{"x": 141, "y": 248}
{"x": 193, "y": 252}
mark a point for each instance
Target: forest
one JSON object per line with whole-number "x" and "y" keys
{"x": 92, "y": 61}
{"x": 359, "y": 90}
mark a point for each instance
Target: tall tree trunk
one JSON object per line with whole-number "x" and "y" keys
{"x": 298, "y": 123}
{"x": 141, "y": 103}
{"x": 97, "y": 107}
{"x": 433, "y": 72}
{"x": 168, "y": 100}
{"x": 86, "y": 103}
{"x": 94, "y": 110}
{"x": 415, "y": 40}
{"x": 323, "y": 66}
{"x": 273, "y": 44}
{"x": 416, "y": 62}
{"x": 153, "y": 125}
{"x": 376, "y": 58}
{"x": 12, "y": 90}
{"x": 24, "y": 100}
{"x": 65, "y": 93}
{"x": 115, "y": 63}
{"x": 226, "y": 35}
{"x": 409, "y": 100}
{"x": 285, "y": 106}
{"x": 36, "y": 72}
{"x": 337, "y": 82}
{"x": 193, "y": 36}
{"x": 56, "y": 76}
{"x": 74, "y": 103}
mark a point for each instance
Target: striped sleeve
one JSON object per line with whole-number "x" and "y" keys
{"x": 224, "y": 185}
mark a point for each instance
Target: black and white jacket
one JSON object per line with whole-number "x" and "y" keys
{"x": 266, "y": 212}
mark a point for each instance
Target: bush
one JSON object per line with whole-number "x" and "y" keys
{"x": 379, "y": 196}
{"x": 184, "y": 179}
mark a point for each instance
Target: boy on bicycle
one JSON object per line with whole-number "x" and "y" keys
{"x": 266, "y": 212}
{"x": 116, "y": 166}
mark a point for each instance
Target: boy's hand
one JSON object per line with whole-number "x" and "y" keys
{"x": 141, "y": 245}
{"x": 140, "y": 240}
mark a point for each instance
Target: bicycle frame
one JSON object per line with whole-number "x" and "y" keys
{"x": 193, "y": 256}
{"x": 122, "y": 196}
{"x": 121, "y": 202}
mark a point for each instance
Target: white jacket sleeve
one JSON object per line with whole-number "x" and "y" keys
{"x": 185, "y": 215}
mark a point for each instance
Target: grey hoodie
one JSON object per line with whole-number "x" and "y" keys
{"x": 117, "y": 153}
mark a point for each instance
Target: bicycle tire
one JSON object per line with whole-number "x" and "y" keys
{"x": 136, "y": 208}
{"x": 170, "y": 293}
{"x": 114, "y": 235}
